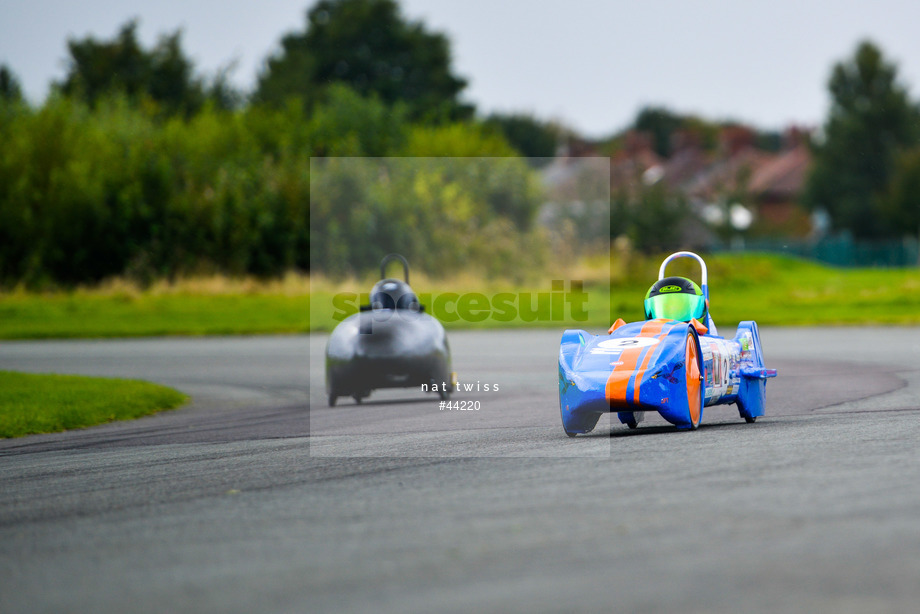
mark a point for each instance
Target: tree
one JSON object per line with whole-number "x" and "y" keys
{"x": 370, "y": 47}
{"x": 871, "y": 120}
{"x": 901, "y": 201}
{"x": 10, "y": 91}
{"x": 164, "y": 74}
{"x": 661, "y": 124}
{"x": 654, "y": 219}
{"x": 528, "y": 135}
{"x": 349, "y": 125}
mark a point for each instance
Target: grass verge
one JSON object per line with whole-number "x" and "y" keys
{"x": 211, "y": 306}
{"x": 769, "y": 289}
{"x": 61, "y": 316}
{"x": 32, "y": 403}
{"x": 772, "y": 290}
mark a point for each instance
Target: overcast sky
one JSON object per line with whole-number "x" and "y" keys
{"x": 588, "y": 63}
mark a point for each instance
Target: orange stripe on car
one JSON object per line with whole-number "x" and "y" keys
{"x": 619, "y": 378}
{"x": 648, "y": 357}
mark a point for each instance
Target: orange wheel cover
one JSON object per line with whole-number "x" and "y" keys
{"x": 693, "y": 381}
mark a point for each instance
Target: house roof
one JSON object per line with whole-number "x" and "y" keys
{"x": 737, "y": 166}
{"x": 784, "y": 176}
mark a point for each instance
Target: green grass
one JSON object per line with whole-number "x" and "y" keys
{"x": 773, "y": 290}
{"x": 49, "y": 403}
{"x": 792, "y": 292}
{"x": 38, "y": 316}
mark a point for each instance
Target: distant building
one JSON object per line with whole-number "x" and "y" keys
{"x": 731, "y": 186}
{"x": 778, "y": 183}
{"x": 736, "y": 172}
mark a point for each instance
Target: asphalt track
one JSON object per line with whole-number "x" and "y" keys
{"x": 230, "y": 505}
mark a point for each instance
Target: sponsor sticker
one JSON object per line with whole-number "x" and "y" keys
{"x": 616, "y": 346}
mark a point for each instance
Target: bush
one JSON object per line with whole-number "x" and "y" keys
{"x": 89, "y": 194}
{"x": 118, "y": 189}
{"x": 443, "y": 214}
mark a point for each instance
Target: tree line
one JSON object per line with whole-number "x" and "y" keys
{"x": 867, "y": 157}
{"x": 137, "y": 165}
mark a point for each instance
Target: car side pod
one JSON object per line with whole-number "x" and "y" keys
{"x": 752, "y": 394}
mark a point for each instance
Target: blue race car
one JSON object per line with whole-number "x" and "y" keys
{"x": 674, "y": 363}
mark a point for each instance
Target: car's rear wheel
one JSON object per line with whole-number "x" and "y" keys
{"x": 442, "y": 389}
{"x": 694, "y": 362}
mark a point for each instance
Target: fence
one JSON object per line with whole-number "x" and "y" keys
{"x": 839, "y": 250}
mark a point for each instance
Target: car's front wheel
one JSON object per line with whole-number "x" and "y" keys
{"x": 693, "y": 360}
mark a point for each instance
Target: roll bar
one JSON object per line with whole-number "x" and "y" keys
{"x": 703, "y": 286}
{"x": 675, "y": 256}
{"x": 389, "y": 258}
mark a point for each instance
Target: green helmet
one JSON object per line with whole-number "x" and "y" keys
{"x": 675, "y": 298}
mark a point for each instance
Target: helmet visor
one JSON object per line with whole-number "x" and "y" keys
{"x": 382, "y": 300}
{"x": 676, "y": 306}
